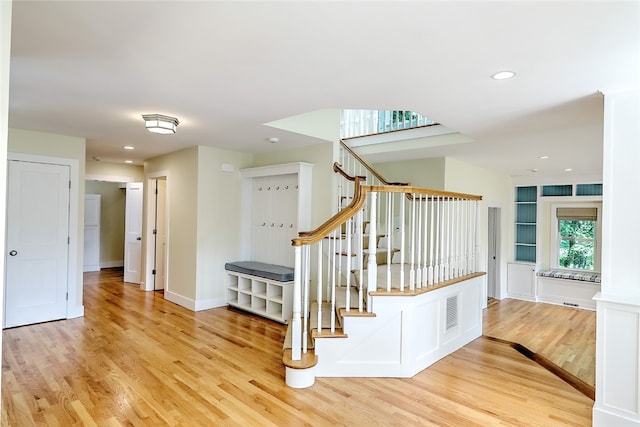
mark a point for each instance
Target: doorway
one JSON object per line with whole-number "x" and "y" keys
{"x": 493, "y": 253}
{"x": 157, "y": 241}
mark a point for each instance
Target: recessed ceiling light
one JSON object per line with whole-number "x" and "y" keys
{"x": 568, "y": 170}
{"x": 503, "y": 75}
{"x": 543, "y": 157}
{"x": 128, "y": 147}
{"x": 128, "y": 161}
{"x": 535, "y": 170}
{"x": 273, "y": 139}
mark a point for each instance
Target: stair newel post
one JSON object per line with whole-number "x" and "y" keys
{"x": 296, "y": 327}
{"x": 476, "y": 236}
{"x": 454, "y": 237}
{"x": 402, "y": 220}
{"x": 319, "y": 286}
{"x": 334, "y": 255}
{"x": 372, "y": 270}
{"x": 418, "y": 245}
{"x": 306, "y": 251}
{"x": 389, "y": 221}
{"x": 349, "y": 265}
{"x": 425, "y": 238}
{"x": 447, "y": 239}
{"x": 412, "y": 249}
{"x": 359, "y": 258}
{"x": 432, "y": 203}
{"x": 470, "y": 229}
{"x": 438, "y": 238}
{"x": 340, "y": 255}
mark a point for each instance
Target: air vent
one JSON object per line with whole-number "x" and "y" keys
{"x": 452, "y": 312}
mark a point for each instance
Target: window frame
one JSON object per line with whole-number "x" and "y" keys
{"x": 555, "y": 236}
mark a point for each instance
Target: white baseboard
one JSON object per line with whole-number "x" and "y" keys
{"x": 74, "y": 311}
{"x": 210, "y": 303}
{"x": 89, "y": 268}
{"x": 603, "y": 418}
{"x": 192, "y": 304}
{"x": 180, "y": 300}
{"x": 111, "y": 264}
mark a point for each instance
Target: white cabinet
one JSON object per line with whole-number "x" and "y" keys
{"x": 267, "y": 298}
{"x": 276, "y": 205}
{"x": 521, "y": 281}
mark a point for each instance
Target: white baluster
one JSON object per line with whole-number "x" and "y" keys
{"x": 432, "y": 203}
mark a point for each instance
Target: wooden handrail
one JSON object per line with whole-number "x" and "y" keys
{"x": 337, "y": 168}
{"x": 359, "y": 196}
{"x": 369, "y": 167}
{"x": 310, "y": 237}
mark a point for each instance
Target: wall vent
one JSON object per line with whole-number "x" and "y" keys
{"x": 452, "y": 312}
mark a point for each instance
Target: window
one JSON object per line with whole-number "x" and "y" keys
{"x": 577, "y": 238}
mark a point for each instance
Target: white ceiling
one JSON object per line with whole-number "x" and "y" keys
{"x": 91, "y": 68}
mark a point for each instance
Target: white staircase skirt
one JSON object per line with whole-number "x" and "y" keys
{"x": 407, "y": 335}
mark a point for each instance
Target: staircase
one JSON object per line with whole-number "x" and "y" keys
{"x": 388, "y": 285}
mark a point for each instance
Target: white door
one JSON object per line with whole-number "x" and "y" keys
{"x": 37, "y": 243}
{"x": 133, "y": 232}
{"x": 91, "y": 232}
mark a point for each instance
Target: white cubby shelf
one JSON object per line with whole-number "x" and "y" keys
{"x": 265, "y": 297}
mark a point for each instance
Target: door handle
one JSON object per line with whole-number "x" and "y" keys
{"x": 138, "y": 238}
{"x": 13, "y": 253}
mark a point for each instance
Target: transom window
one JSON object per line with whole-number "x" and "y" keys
{"x": 577, "y": 238}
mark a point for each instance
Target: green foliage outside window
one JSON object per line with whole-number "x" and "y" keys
{"x": 577, "y": 244}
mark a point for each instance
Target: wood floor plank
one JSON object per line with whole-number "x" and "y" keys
{"x": 136, "y": 359}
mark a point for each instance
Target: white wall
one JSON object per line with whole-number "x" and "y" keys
{"x": 425, "y": 173}
{"x": 203, "y": 205}
{"x": 218, "y": 217}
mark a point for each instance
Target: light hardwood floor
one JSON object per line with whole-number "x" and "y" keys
{"x": 136, "y": 359}
{"x": 566, "y": 336}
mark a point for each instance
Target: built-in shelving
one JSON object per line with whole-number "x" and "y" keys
{"x": 526, "y": 214}
{"x": 265, "y": 297}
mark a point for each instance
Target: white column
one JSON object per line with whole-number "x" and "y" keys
{"x": 296, "y": 327}
{"x": 618, "y": 305}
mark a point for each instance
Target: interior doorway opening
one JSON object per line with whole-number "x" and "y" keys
{"x": 157, "y": 242}
{"x": 493, "y": 253}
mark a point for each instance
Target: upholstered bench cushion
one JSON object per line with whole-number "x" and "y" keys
{"x": 571, "y": 275}
{"x": 279, "y": 273}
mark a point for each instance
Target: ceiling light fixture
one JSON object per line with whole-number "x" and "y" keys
{"x": 128, "y": 147}
{"x": 568, "y": 170}
{"x": 543, "y": 157}
{"x": 128, "y": 161}
{"x": 273, "y": 139}
{"x": 503, "y": 75}
{"x": 158, "y": 123}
